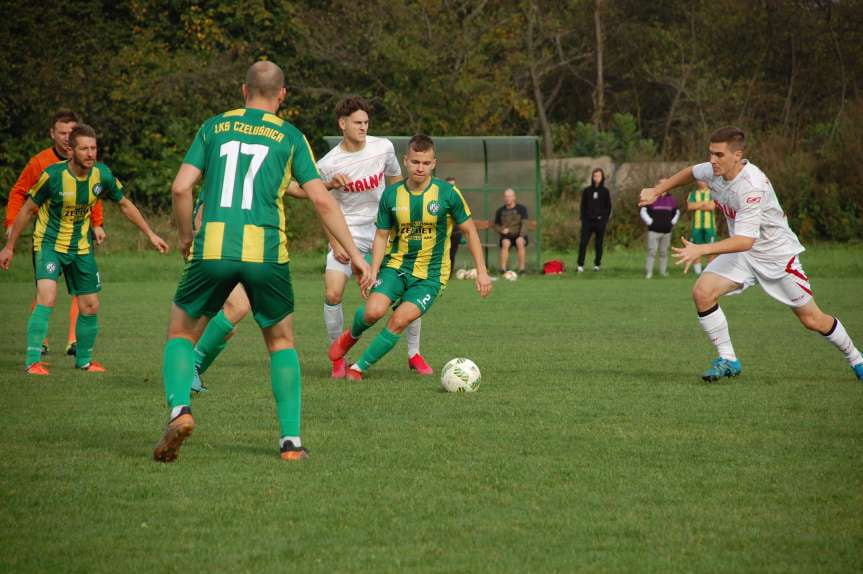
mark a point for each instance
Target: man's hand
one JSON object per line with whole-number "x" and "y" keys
{"x": 99, "y": 234}
{"x": 483, "y": 284}
{"x": 185, "y": 247}
{"x": 363, "y": 273}
{"x": 648, "y": 196}
{"x": 159, "y": 243}
{"x": 688, "y": 254}
{"x": 5, "y": 258}
{"x": 339, "y": 252}
{"x": 504, "y": 231}
{"x": 339, "y": 180}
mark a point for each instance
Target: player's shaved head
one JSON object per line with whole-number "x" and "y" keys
{"x": 265, "y": 79}
{"x": 734, "y": 137}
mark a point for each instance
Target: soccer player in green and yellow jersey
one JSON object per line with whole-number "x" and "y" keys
{"x": 410, "y": 254}
{"x": 65, "y": 194}
{"x": 702, "y": 207}
{"x": 247, "y": 158}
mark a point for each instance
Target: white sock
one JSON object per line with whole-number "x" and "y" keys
{"x": 697, "y": 267}
{"x": 716, "y": 327}
{"x": 356, "y": 367}
{"x": 293, "y": 439}
{"x": 175, "y": 412}
{"x": 839, "y": 337}
{"x": 412, "y": 336}
{"x": 334, "y": 319}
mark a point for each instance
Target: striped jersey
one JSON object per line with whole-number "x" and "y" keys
{"x": 702, "y": 219}
{"x": 420, "y": 224}
{"x": 65, "y": 203}
{"x": 248, "y": 157}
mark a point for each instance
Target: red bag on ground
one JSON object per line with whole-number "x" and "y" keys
{"x": 553, "y": 267}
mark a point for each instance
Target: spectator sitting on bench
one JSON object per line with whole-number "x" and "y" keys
{"x": 510, "y": 221}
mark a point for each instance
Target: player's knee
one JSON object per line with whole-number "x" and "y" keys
{"x": 373, "y": 314}
{"x": 332, "y": 296}
{"x": 88, "y": 306}
{"x": 505, "y": 244}
{"x": 813, "y": 321}
{"x": 519, "y": 242}
{"x": 702, "y": 295}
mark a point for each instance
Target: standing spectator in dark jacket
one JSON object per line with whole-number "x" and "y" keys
{"x": 660, "y": 217}
{"x": 455, "y": 238}
{"x": 595, "y": 211}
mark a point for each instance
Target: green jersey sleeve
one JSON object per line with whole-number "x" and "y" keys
{"x": 196, "y": 155}
{"x": 458, "y": 207}
{"x": 113, "y": 188}
{"x": 41, "y": 191}
{"x": 385, "y": 211}
{"x": 303, "y": 168}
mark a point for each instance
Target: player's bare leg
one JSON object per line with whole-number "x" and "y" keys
{"x": 814, "y": 319}
{"x": 285, "y": 378}
{"x": 706, "y": 293}
{"x": 178, "y": 370}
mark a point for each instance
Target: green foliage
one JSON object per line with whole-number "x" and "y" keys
{"x": 622, "y": 141}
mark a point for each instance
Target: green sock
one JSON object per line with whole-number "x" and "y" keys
{"x": 37, "y": 328}
{"x": 359, "y": 326}
{"x": 178, "y": 371}
{"x": 381, "y": 345}
{"x": 87, "y": 327}
{"x": 212, "y": 341}
{"x": 287, "y": 389}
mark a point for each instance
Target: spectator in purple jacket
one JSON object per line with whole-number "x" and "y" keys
{"x": 660, "y": 218}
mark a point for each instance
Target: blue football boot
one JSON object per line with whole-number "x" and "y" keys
{"x": 197, "y": 384}
{"x": 721, "y": 368}
{"x": 858, "y": 370}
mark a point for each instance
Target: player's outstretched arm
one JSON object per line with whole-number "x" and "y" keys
{"x": 21, "y": 221}
{"x": 132, "y": 214}
{"x": 483, "y": 281}
{"x": 334, "y": 222}
{"x": 183, "y": 204}
{"x": 691, "y": 252}
{"x": 649, "y": 195}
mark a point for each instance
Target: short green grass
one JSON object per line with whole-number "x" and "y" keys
{"x": 592, "y": 445}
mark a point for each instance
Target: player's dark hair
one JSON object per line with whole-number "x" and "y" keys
{"x": 450, "y": 179}
{"x": 421, "y": 142}
{"x": 734, "y": 137}
{"x": 81, "y": 130}
{"x": 350, "y": 105}
{"x": 65, "y": 116}
{"x": 265, "y": 79}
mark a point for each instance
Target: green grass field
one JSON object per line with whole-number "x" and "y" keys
{"x": 592, "y": 445}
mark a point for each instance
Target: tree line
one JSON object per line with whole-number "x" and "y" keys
{"x": 663, "y": 74}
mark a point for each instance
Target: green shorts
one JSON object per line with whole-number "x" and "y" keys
{"x": 206, "y": 284}
{"x": 401, "y": 287}
{"x": 702, "y": 236}
{"x": 80, "y": 271}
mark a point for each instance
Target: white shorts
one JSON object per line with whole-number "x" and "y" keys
{"x": 784, "y": 280}
{"x": 363, "y": 235}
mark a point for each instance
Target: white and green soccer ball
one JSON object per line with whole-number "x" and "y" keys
{"x": 460, "y": 376}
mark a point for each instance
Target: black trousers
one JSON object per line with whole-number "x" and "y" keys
{"x": 455, "y": 241}
{"x": 596, "y": 227}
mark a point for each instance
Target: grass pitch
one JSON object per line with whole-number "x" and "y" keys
{"x": 591, "y": 446}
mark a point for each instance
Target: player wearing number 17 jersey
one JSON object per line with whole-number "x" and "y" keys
{"x": 247, "y": 158}
{"x": 761, "y": 250}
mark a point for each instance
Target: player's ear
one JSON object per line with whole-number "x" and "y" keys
{"x": 245, "y": 92}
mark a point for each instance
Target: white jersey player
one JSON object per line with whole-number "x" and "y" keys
{"x": 761, "y": 249}
{"x": 356, "y": 172}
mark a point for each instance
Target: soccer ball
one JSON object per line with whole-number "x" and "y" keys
{"x": 460, "y": 274}
{"x": 460, "y": 376}
{"x": 470, "y": 273}
{"x": 510, "y": 275}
